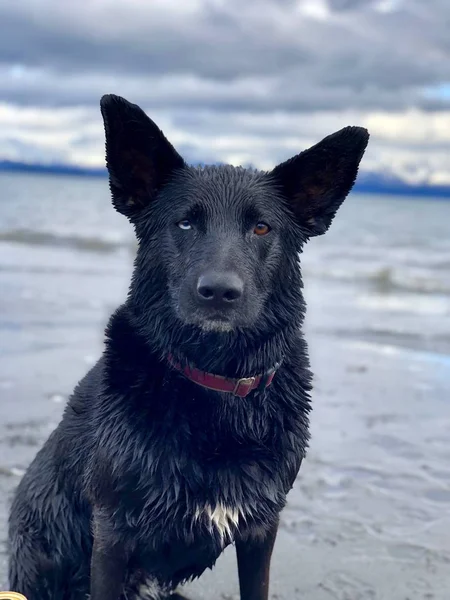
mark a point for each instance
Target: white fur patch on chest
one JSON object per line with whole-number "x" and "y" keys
{"x": 224, "y": 519}
{"x": 149, "y": 590}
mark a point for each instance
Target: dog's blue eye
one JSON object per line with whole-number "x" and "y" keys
{"x": 184, "y": 224}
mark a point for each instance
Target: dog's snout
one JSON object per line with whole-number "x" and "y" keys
{"x": 220, "y": 289}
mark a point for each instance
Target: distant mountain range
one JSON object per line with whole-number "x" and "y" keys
{"x": 368, "y": 182}
{"x": 51, "y": 169}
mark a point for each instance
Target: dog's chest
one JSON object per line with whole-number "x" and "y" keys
{"x": 188, "y": 534}
{"x": 206, "y": 479}
{"x": 214, "y": 503}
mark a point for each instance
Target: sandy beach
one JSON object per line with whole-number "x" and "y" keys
{"x": 369, "y": 515}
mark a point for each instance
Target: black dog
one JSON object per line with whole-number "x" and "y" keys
{"x": 189, "y": 432}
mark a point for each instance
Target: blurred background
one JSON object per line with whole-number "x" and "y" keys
{"x": 251, "y": 83}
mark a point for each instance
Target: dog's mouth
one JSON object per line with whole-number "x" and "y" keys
{"x": 217, "y": 323}
{"x": 214, "y": 320}
{"x": 210, "y": 321}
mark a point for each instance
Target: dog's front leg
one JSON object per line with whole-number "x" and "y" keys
{"x": 108, "y": 562}
{"x": 253, "y": 556}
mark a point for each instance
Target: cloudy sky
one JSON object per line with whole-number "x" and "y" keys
{"x": 239, "y": 81}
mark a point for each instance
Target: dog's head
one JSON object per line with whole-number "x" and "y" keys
{"x": 216, "y": 242}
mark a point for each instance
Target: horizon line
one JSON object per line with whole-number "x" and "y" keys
{"x": 374, "y": 182}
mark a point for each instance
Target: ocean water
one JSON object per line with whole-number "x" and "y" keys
{"x": 384, "y": 266}
{"x": 370, "y": 511}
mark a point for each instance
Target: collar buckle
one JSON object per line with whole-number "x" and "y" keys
{"x": 243, "y": 386}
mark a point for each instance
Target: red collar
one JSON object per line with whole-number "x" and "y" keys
{"x": 238, "y": 387}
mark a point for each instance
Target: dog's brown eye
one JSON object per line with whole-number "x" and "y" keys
{"x": 261, "y": 229}
{"x": 184, "y": 224}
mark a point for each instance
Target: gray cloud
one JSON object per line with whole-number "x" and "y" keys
{"x": 286, "y": 92}
{"x": 258, "y": 55}
{"x": 214, "y": 45}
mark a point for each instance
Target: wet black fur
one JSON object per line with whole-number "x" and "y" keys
{"x": 140, "y": 447}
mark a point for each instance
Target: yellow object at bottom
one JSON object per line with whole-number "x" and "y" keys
{"x": 11, "y": 596}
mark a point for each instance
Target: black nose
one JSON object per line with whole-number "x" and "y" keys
{"x": 220, "y": 289}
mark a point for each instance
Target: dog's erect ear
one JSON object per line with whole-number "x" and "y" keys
{"x": 316, "y": 182}
{"x": 138, "y": 156}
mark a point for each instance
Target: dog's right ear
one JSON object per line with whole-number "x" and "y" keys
{"x": 138, "y": 156}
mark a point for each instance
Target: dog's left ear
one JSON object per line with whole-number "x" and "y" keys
{"x": 316, "y": 182}
{"x": 138, "y": 156}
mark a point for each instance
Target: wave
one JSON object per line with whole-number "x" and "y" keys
{"x": 387, "y": 279}
{"x": 57, "y": 240}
